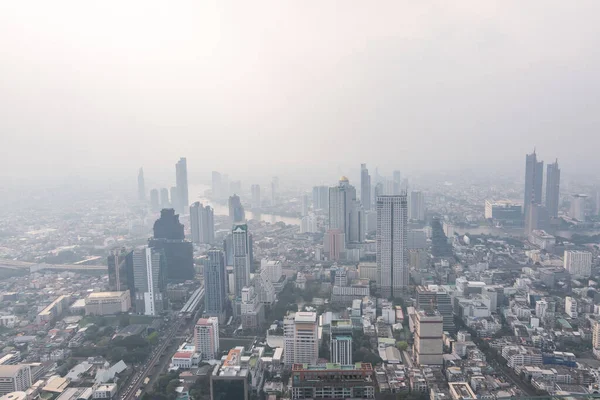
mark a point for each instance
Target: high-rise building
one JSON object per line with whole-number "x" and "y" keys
{"x": 433, "y": 297}
{"x": 333, "y": 381}
{"x": 417, "y": 206}
{"x": 391, "y": 240}
{"x": 214, "y": 285}
{"x": 552, "y": 189}
{"x": 304, "y": 205}
{"x": 150, "y": 281}
{"x": 341, "y": 341}
{"x": 274, "y": 190}
{"x": 365, "y": 187}
{"x": 578, "y": 263}
{"x": 178, "y": 252}
{"x": 225, "y": 186}
{"x": 174, "y": 198}
{"x": 379, "y": 190}
{"x": 217, "y": 185}
{"x": 206, "y": 338}
{"x": 182, "y": 186}
{"x": 345, "y": 213}
{"x": 236, "y": 210}
{"x": 241, "y": 257}
{"x": 235, "y": 187}
{"x": 596, "y": 335}
{"x": 141, "y": 186}
{"x": 154, "y": 202}
{"x": 534, "y": 177}
{"x": 301, "y": 338}
{"x": 251, "y": 309}
{"x": 571, "y": 307}
{"x": 577, "y": 211}
{"x": 202, "y": 223}
{"x": 255, "y": 189}
{"x": 14, "y": 378}
{"x": 164, "y": 198}
{"x": 120, "y": 271}
{"x": 320, "y": 198}
{"x": 334, "y": 244}
{"x": 428, "y": 345}
{"x": 397, "y": 183}
{"x": 308, "y": 224}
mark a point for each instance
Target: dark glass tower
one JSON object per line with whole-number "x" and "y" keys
{"x": 214, "y": 285}
{"x": 179, "y": 253}
{"x": 552, "y": 189}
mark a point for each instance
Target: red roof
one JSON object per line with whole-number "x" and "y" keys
{"x": 183, "y": 354}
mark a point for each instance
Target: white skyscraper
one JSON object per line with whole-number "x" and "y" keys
{"x": 301, "y": 338}
{"x": 150, "y": 283}
{"x": 417, "y": 206}
{"x": 255, "y": 189}
{"x": 206, "y": 337}
{"x": 578, "y": 263}
{"x": 308, "y": 224}
{"x": 202, "y": 224}
{"x": 241, "y": 257}
{"x": 391, "y": 240}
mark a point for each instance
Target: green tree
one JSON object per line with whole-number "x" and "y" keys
{"x": 401, "y": 345}
{"x": 153, "y": 338}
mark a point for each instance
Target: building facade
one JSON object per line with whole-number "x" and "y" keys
{"x": 206, "y": 338}
{"x": 391, "y": 240}
{"x": 149, "y": 281}
{"x": 578, "y": 263}
{"x": 333, "y": 381}
{"x": 428, "y": 345}
{"x": 241, "y": 258}
{"x": 214, "y": 285}
{"x": 181, "y": 181}
{"x": 202, "y": 223}
{"x": 301, "y": 339}
{"x": 107, "y": 303}
{"x": 552, "y": 189}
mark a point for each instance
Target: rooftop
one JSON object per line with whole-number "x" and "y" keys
{"x": 101, "y": 295}
{"x": 304, "y": 316}
{"x": 332, "y": 367}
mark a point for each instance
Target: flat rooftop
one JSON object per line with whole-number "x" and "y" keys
{"x": 102, "y": 295}
{"x": 304, "y": 316}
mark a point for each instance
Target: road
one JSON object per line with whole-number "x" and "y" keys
{"x": 146, "y": 370}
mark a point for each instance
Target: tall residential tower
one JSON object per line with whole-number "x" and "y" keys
{"x": 391, "y": 240}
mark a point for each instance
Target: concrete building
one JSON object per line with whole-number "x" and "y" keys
{"x": 237, "y": 214}
{"x": 150, "y": 282}
{"x": 53, "y": 310}
{"x": 334, "y": 244}
{"x": 255, "y": 190}
{"x": 392, "y": 254}
{"x": 154, "y": 201}
{"x": 141, "y": 186}
{"x": 577, "y": 211}
{"x": 206, "y": 337}
{"x": 14, "y": 378}
{"x": 107, "y": 303}
{"x": 596, "y": 335}
{"x": 428, "y": 346}
{"x": 461, "y": 391}
{"x": 578, "y": 263}
{"x": 308, "y": 224}
{"x": 333, "y": 381}
{"x": 365, "y": 187}
{"x": 543, "y": 240}
{"x": 534, "y": 177}
{"x": 265, "y": 288}
{"x": 214, "y": 285}
{"x": 241, "y": 258}
{"x": 301, "y": 339}
{"x": 182, "y": 186}
{"x": 417, "y": 206}
{"x": 230, "y": 377}
{"x": 434, "y": 297}
{"x": 251, "y": 309}
{"x": 503, "y": 211}
{"x": 346, "y": 213}
{"x": 552, "y": 189}
{"x": 202, "y": 224}
{"x": 571, "y": 307}
{"x": 367, "y": 270}
{"x": 105, "y": 391}
{"x": 340, "y": 340}
{"x": 320, "y": 198}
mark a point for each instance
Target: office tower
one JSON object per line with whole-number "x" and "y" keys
{"x": 150, "y": 281}
{"x": 182, "y": 186}
{"x": 168, "y": 226}
{"x": 577, "y": 211}
{"x": 397, "y": 183}
{"x": 225, "y": 185}
{"x": 308, "y": 224}
{"x": 365, "y": 187}
{"x": 552, "y": 189}
{"x": 141, "y": 186}
{"x": 264, "y": 287}
{"x": 578, "y": 263}
{"x": 214, "y": 285}
{"x": 251, "y": 309}
{"x": 320, "y": 198}
{"x": 120, "y": 271}
{"x": 216, "y": 185}
{"x": 14, "y": 378}
{"x": 379, "y": 190}
{"x": 174, "y": 199}
{"x": 274, "y": 190}
{"x": 427, "y": 347}
{"x": 596, "y": 335}
{"x": 206, "y": 338}
{"x": 433, "y": 297}
{"x": 164, "y": 198}
{"x": 154, "y": 202}
{"x": 417, "y": 206}
{"x": 340, "y": 339}
{"x": 304, "y": 205}
{"x": 333, "y": 381}
{"x": 236, "y": 210}
{"x": 391, "y": 240}
{"x": 241, "y": 257}
{"x": 202, "y": 223}
{"x": 178, "y": 252}
{"x": 334, "y": 244}
{"x": 300, "y": 338}
{"x": 534, "y": 175}
{"x": 571, "y": 307}
{"x": 345, "y": 212}
{"x": 255, "y": 189}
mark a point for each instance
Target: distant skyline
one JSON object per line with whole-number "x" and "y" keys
{"x": 257, "y": 89}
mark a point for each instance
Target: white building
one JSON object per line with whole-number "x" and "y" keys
{"x": 255, "y": 189}
{"x": 541, "y": 308}
{"x": 389, "y": 315}
{"x": 308, "y": 224}
{"x": 183, "y": 359}
{"x": 107, "y": 303}
{"x": 542, "y": 240}
{"x": 8, "y": 321}
{"x": 345, "y": 212}
{"x": 392, "y": 254}
{"x": 578, "y": 263}
{"x": 428, "y": 345}
{"x": 265, "y": 288}
{"x": 301, "y": 339}
{"x": 14, "y": 378}
{"x": 577, "y": 211}
{"x": 106, "y": 391}
{"x": 241, "y": 258}
{"x": 149, "y": 276}
{"x": 206, "y": 337}
{"x": 417, "y": 206}
{"x": 202, "y": 223}
{"x": 571, "y": 307}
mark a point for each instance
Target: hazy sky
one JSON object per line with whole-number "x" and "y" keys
{"x": 277, "y": 87}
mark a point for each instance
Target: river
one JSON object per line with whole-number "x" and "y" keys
{"x": 197, "y": 193}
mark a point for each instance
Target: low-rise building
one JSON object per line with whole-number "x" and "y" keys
{"x": 333, "y": 381}
{"x": 107, "y": 303}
